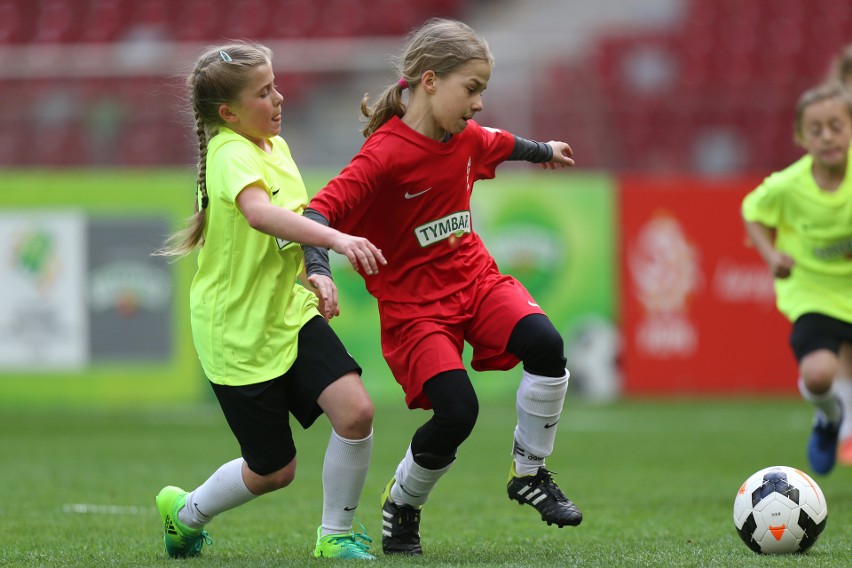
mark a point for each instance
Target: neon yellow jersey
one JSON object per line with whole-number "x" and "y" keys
{"x": 246, "y": 305}
{"x": 814, "y": 227}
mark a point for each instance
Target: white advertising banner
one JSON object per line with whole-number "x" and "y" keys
{"x": 43, "y": 317}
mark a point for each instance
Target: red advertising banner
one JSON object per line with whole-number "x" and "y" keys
{"x": 697, "y": 303}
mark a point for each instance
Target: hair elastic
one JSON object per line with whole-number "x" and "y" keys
{"x": 203, "y": 200}
{"x": 225, "y": 57}
{"x": 403, "y": 83}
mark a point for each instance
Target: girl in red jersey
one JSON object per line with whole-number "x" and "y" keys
{"x": 408, "y": 192}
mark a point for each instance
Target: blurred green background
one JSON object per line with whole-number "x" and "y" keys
{"x": 557, "y": 237}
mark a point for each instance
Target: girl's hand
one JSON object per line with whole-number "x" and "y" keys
{"x": 562, "y": 156}
{"x": 359, "y": 251}
{"x": 326, "y": 291}
{"x": 781, "y": 264}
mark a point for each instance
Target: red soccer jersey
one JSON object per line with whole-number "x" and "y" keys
{"x": 410, "y": 196}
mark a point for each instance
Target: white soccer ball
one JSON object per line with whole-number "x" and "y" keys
{"x": 780, "y": 510}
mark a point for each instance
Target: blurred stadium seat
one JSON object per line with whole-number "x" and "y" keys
{"x": 727, "y": 72}
{"x": 731, "y": 71}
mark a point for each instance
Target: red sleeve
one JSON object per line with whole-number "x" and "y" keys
{"x": 497, "y": 145}
{"x": 348, "y": 195}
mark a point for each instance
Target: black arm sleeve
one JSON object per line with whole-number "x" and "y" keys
{"x": 531, "y": 151}
{"x": 316, "y": 258}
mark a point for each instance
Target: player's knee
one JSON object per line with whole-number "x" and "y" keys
{"x": 447, "y": 429}
{"x": 360, "y": 422}
{"x": 356, "y": 422}
{"x": 539, "y": 345}
{"x": 818, "y": 370}
{"x": 818, "y": 381}
{"x": 260, "y": 484}
{"x": 549, "y": 348}
{"x": 458, "y": 421}
{"x": 282, "y": 478}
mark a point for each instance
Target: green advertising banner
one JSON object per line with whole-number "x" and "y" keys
{"x": 96, "y": 318}
{"x": 554, "y": 231}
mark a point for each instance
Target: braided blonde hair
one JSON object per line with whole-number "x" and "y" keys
{"x": 441, "y": 45}
{"x": 219, "y": 75}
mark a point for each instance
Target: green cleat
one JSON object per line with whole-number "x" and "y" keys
{"x": 181, "y": 541}
{"x": 351, "y": 546}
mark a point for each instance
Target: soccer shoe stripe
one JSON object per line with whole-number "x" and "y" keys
{"x": 170, "y": 528}
{"x": 387, "y": 515}
{"x": 539, "y": 499}
{"x": 523, "y": 490}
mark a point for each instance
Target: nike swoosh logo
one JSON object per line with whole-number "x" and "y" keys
{"x": 418, "y": 194}
{"x": 350, "y": 508}
{"x": 546, "y": 425}
{"x": 533, "y": 304}
{"x": 276, "y": 192}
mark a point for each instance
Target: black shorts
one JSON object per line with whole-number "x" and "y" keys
{"x": 817, "y": 331}
{"x": 258, "y": 414}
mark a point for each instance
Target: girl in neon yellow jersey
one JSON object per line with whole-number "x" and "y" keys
{"x": 800, "y": 220}
{"x": 840, "y": 73}
{"x": 261, "y": 336}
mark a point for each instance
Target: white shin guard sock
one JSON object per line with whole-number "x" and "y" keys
{"x": 539, "y": 406}
{"x": 827, "y": 403}
{"x": 843, "y": 388}
{"x": 414, "y": 482}
{"x": 224, "y": 490}
{"x": 344, "y": 473}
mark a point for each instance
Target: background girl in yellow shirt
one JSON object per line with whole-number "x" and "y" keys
{"x": 800, "y": 220}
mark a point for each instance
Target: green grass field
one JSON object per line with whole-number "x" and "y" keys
{"x": 655, "y": 479}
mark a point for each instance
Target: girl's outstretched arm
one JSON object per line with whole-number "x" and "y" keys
{"x": 267, "y": 218}
{"x": 563, "y": 156}
{"x": 548, "y": 155}
{"x": 780, "y": 264}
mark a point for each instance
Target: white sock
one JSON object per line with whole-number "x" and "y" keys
{"x": 224, "y": 490}
{"x": 539, "y": 405}
{"x": 344, "y": 473}
{"x": 843, "y": 388}
{"x": 826, "y": 403}
{"x": 414, "y": 483}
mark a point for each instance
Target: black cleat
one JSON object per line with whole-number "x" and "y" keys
{"x": 544, "y": 495}
{"x": 400, "y": 526}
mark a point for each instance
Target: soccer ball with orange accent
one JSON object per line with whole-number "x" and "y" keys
{"x": 780, "y": 510}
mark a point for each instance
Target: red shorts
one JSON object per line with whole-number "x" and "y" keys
{"x": 421, "y": 340}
